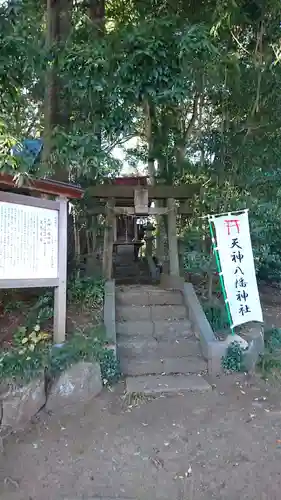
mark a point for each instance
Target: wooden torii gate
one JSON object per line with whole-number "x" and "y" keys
{"x": 135, "y": 200}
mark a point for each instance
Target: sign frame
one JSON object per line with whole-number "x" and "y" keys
{"x": 59, "y": 284}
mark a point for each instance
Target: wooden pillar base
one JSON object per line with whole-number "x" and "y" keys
{"x": 172, "y": 238}
{"x": 108, "y": 240}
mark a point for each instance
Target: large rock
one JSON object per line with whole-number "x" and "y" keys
{"x": 77, "y": 385}
{"x": 20, "y": 403}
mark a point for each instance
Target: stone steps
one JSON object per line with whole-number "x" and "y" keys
{"x": 157, "y": 329}
{"x": 152, "y": 313}
{"x": 185, "y": 365}
{"x": 148, "y": 297}
{"x": 151, "y": 349}
{"x": 128, "y": 272}
{"x": 130, "y": 280}
{"x": 153, "y": 385}
{"x": 156, "y": 346}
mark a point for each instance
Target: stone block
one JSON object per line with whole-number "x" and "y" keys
{"x": 133, "y": 313}
{"x": 138, "y": 348}
{"x": 178, "y": 348}
{"x": 135, "y": 346}
{"x": 168, "y": 312}
{"x": 186, "y": 365}
{"x": 216, "y": 350}
{"x": 22, "y": 402}
{"x": 201, "y": 326}
{"x": 160, "y": 297}
{"x": 133, "y": 328}
{"x": 109, "y": 311}
{"x": 189, "y": 364}
{"x": 130, "y": 298}
{"x": 171, "y": 282}
{"x": 166, "y": 384}
{"x": 172, "y": 329}
{"x": 77, "y": 385}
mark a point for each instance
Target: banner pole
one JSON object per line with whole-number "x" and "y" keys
{"x": 215, "y": 250}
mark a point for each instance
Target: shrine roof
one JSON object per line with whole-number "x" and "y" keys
{"x": 44, "y": 186}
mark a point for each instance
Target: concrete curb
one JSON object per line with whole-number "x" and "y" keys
{"x": 213, "y": 349}
{"x": 109, "y": 312}
{"x": 201, "y": 325}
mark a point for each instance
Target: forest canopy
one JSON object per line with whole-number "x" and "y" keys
{"x": 197, "y": 84}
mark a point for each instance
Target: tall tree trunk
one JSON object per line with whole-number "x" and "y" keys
{"x": 96, "y": 12}
{"x": 56, "y": 113}
{"x": 58, "y": 21}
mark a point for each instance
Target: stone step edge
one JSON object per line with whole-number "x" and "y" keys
{"x": 131, "y": 367}
{"x": 167, "y": 384}
{"x": 152, "y": 345}
{"x": 158, "y": 322}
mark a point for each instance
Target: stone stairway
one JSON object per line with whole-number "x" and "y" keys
{"x": 131, "y": 272}
{"x": 157, "y": 349}
{"x": 128, "y": 271}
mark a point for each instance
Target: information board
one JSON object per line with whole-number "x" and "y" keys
{"x": 28, "y": 242}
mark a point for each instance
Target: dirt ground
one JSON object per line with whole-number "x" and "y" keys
{"x": 225, "y": 445}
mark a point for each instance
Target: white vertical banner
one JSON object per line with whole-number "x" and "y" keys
{"x": 237, "y": 265}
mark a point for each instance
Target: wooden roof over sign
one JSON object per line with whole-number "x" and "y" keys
{"x": 44, "y": 186}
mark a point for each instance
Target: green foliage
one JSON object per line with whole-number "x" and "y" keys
{"x": 86, "y": 291}
{"x": 12, "y": 305}
{"x": 272, "y": 339}
{"x": 31, "y": 352}
{"x": 217, "y": 317}
{"x": 22, "y": 65}
{"x": 26, "y": 360}
{"x": 26, "y": 357}
{"x": 18, "y": 367}
{"x": 270, "y": 363}
{"x": 87, "y": 346}
{"x": 196, "y": 85}
{"x": 110, "y": 369}
{"x": 198, "y": 262}
{"x": 42, "y": 310}
{"x": 233, "y": 360}
{"x": 82, "y": 346}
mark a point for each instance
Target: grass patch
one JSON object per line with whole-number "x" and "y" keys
{"x": 32, "y": 353}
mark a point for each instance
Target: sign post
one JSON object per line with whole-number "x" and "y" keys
{"x": 33, "y": 248}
